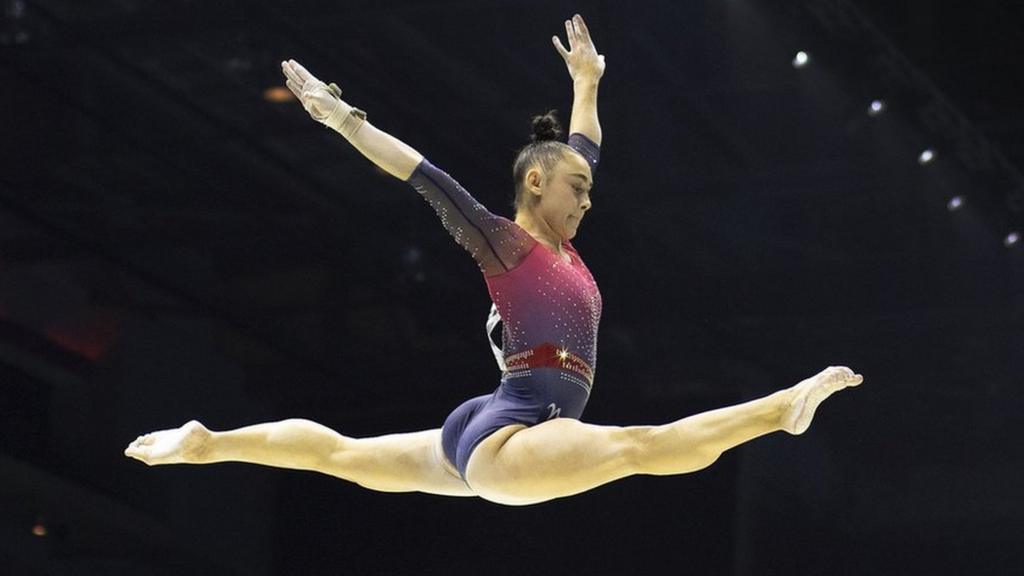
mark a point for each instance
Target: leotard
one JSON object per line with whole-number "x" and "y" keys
{"x": 549, "y": 307}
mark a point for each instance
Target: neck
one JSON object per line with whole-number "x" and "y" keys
{"x": 540, "y": 230}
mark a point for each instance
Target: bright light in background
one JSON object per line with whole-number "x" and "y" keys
{"x": 955, "y": 203}
{"x": 278, "y": 95}
{"x": 1011, "y": 239}
{"x": 39, "y": 529}
{"x": 801, "y": 59}
{"x": 926, "y": 156}
{"x": 876, "y": 107}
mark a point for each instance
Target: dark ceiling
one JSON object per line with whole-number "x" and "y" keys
{"x": 173, "y": 245}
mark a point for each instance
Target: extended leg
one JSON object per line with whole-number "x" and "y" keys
{"x": 561, "y": 457}
{"x": 393, "y": 463}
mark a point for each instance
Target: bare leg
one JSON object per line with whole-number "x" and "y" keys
{"x": 411, "y": 462}
{"x": 561, "y": 457}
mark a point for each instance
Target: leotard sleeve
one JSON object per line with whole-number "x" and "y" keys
{"x": 590, "y": 151}
{"x": 496, "y": 243}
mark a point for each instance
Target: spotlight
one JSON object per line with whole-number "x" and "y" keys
{"x": 1011, "y": 239}
{"x": 801, "y": 59}
{"x": 926, "y": 156}
{"x": 876, "y": 107}
{"x": 955, "y": 203}
{"x": 278, "y": 95}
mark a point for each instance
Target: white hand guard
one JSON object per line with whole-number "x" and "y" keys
{"x": 323, "y": 101}
{"x": 324, "y": 104}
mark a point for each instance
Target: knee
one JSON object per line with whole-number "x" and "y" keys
{"x": 296, "y": 430}
{"x": 627, "y": 448}
{"x": 311, "y": 442}
{"x": 661, "y": 450}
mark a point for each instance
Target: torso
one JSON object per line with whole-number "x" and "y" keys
{"x": 549, "y": 297}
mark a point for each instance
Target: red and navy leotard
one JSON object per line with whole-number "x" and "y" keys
{"x": 550, "y": 311}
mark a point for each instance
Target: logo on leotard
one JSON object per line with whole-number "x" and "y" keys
{"x": 555, "y": 411}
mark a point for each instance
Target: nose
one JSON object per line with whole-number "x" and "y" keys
{"x": 585, "y": 205}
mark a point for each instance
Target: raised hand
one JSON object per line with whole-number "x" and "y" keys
{"x": 582, "y": 59}
{"x": 319, "y": 99}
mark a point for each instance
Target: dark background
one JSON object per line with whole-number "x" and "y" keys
{"x": 174, "y": 246}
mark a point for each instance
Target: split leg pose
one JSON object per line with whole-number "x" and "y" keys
{"x": 524, "y": 442}
{"x": 517, "y": 464}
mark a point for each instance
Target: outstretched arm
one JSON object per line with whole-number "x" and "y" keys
{"x": 495, "y": 242}
{"x": 586, "y": 67}
{"x": 325, "y": 105}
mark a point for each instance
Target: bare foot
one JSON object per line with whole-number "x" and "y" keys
{"x": 808, "y": 394}
{"x": 185, "y": 445}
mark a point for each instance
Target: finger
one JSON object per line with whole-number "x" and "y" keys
{"x": 581, "y": 26}
{"x": 570, "y": 34}
{"x": 301, "y": 71}
{"x": 290, "y": 73}
{"x": 294, "y": 88}
{"x": 558, "y": 46}
{"x": 576, "y": 28}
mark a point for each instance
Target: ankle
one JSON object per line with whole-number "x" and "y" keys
{"x": 198, "y": 444}
{"x": 781, "y": 403}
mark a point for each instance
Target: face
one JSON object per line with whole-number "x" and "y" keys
{"x": 564, "y": 195}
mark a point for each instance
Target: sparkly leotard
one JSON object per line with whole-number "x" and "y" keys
{"x": 549, "y": 307}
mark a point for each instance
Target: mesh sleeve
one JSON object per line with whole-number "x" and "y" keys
{"x": 496, "y": 243}
{"x": 590, "y": 151}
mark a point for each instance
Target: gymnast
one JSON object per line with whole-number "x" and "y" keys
{"x": 524, "y": 443}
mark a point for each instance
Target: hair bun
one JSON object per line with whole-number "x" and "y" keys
{"x": 546, "y": 127}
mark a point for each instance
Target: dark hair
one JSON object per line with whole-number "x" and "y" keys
{"x": 544, "y": 150}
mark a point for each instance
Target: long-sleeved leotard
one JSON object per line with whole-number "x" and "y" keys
{"x": 550, "y": 311}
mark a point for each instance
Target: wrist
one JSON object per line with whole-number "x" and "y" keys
{"x": 585, "y": 84}
{"x": 345, "y": 119}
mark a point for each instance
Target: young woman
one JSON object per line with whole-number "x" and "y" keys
{"x": 523, "y": 443}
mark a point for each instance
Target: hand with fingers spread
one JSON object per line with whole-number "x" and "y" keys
{"x": 322, "y": 101}
{"x": 582, "y": 59}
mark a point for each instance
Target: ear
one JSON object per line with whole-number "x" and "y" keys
{"x": 534, "y": 180}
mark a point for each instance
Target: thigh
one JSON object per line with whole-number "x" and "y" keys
{"x": 559, "y": 457}
{"x": 407, "y": 462}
